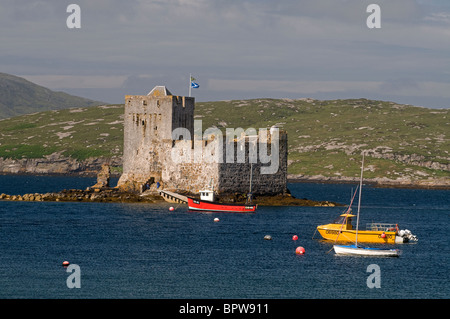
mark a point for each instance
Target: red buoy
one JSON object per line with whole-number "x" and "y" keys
{"x": 383, "y": 235}
{"x": 171, "y": 208}
{"x": 65, "y": 263}
{"x": 300, "y": 250}
{"x": 295, "y": 237}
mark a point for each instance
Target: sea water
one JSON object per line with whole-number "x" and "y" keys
{"x": 146, "y": 251}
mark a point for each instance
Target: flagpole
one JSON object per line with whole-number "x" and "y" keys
{"x": 190, "y": 84}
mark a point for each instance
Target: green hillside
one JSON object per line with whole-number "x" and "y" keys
{"x": 79, "y": 133}
{"x": 19, "y": 96}
{"x": 325, "y": 137}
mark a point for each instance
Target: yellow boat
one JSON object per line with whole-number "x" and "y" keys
{"x": 378, "y": 233}
{"x": 341, "y": 230}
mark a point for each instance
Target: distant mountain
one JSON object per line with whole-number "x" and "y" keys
{"x": 19, "y": 96}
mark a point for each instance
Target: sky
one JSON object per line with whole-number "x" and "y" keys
{"x": 235, "y": 49}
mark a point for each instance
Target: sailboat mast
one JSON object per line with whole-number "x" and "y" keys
{"x": 359, "y": 199}
{"x": 251, "y": 176}
{"x": 249, "y": 195}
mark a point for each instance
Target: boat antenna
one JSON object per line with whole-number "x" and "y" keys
{"x": 249, "y": 195}
{"x": 359, "y": 199}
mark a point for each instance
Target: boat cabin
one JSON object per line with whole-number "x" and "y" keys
{"x": 345, "y": 219}
{"x": 207, "y": 195}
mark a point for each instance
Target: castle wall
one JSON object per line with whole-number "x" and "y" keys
{"x": 188, "y": 164}
{"x": 181, "y": 172}
{"x": 235, "y": 177}
{"x": 148, "y": 124}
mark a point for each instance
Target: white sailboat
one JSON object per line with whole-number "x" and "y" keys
{"x": 360, "y": 250}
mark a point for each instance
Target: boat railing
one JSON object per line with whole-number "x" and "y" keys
{"x": 381, "y": 227}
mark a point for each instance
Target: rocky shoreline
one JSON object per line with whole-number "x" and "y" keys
{"x": 56, "y": 164}
{"x": 115, "y": 195}
{"x": 101, "y": 192}
{"x": 78, "y": 195}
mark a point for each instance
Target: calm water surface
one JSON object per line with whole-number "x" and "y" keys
{"x": 146, "y": 251}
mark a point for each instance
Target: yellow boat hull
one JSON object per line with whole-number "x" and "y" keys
{"x": 335, "y": 233}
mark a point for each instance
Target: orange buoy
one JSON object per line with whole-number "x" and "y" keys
{"x": 300, "y": 250}
{"x": 65, "y": 263}
{"x": 295, "y": 237}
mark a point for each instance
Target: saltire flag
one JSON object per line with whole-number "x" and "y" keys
{"x": 194, "y": 85}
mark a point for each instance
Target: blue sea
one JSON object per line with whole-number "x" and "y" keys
{"x": 146, "y": 251}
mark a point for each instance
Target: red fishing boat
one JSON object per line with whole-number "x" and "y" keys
{"x": 207, "y": 203}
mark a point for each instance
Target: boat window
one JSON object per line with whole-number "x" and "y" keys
{"x": 341, "y": 219}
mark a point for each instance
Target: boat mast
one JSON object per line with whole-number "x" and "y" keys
{"x": 249, "y": 195}
{"x": 359, "y": 199}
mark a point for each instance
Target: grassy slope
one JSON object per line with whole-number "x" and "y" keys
{"x": 325, "y": 137}
{"x": 79, "y": 133}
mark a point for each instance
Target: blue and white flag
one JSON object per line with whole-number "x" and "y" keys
{"x": 194, "y": 85}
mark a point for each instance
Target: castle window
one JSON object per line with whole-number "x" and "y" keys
{"x": 144, "y": 102}
{"x": 157, "y": 103}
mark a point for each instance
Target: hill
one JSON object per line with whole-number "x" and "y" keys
{"x": 19, "y": 96}
{"x": 405, "y": 144}
{"x": 326, "y": 138}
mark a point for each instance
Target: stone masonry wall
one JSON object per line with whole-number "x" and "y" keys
{"x": 235, "y": 177}
{"x": 148, "y": 124}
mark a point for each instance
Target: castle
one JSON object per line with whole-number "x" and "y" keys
{"x": 165, "y": 147}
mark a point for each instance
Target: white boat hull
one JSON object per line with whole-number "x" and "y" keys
{"x": 360, "y": 251}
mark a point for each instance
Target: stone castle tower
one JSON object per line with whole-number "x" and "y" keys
{"x": 153, "y": 154}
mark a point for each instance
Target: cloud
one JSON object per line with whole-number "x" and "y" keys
{"x": 286, "y": 45}
{"x": 438, "y": 17}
